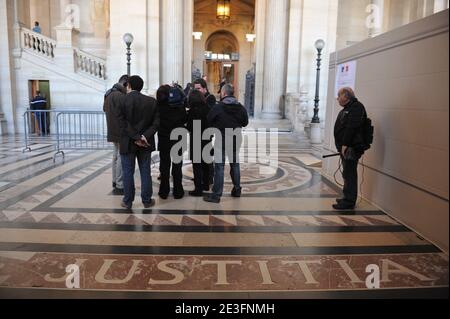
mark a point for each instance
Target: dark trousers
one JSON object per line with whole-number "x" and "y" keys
{"x": 350, "y": 175}
{"x": 235, "y": 171}
{"x": 201, "y": 176}
{"x": 144, "y": 159}
{"x": 177, "y": 173}
{"x": 41, "y": 118}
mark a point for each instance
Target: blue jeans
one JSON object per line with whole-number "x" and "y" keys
{"x": 129, "y": 166}
{"x": 235, "y": 172}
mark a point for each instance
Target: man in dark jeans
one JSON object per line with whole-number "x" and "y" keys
{"x": 349, "y": 142}
{"x": 112, "y": 107}
{"x": 226, "y": 116}
{"x": 139, "y": 122}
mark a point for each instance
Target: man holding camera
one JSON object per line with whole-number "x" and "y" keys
{"x": 350, "y": 144}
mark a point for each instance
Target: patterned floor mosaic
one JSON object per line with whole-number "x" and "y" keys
{"x": 281, "y": 239}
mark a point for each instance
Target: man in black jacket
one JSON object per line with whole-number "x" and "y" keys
{"x": 226, "y": 116}
{"x": 202, "y": 86}
{"x": 112, "y": 106}
{"x": 349, "y": 143}
{"x": 172, "y": 111}
{"x": 139, "y": 123}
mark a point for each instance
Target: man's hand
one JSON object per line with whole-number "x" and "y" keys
{"x": 344, "y": 150}
{"x": 142, "y": 142}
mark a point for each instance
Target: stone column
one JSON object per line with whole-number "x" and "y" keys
{"x": 260, "y": 29}
{"x": 275, "y": 59}
{"x": 172, "y": 43}
{"x": 188, "y": 48}
{"x": 294, "y": 46}
{"x": 3, "y": 18}
{"x": 153, "y": 42}
{"x": 17, "y": 50}
{"x": 440, "y": 5}
{"x": 142, "y": 23}
{"x": 9, "y": 51}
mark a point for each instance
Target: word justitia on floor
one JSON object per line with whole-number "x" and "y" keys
{"x": 280, "y": 240}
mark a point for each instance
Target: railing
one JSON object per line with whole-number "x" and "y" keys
{"x": 89, "y": 64}
{"x": 66, "y": 130}
{"x": 39, "y": 127}
{"x": 38, "y": 44}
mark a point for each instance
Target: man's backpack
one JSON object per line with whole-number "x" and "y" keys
{"x": 367, "y": 133}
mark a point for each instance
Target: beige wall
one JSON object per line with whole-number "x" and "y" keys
{"x": 402, "y": 78}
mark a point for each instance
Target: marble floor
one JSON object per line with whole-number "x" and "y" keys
{"x": 280, "y": 240}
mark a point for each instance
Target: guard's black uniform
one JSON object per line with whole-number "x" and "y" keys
{"x": 347, "y": 132}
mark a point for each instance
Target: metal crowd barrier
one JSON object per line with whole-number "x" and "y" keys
{"x": 39, "y": 127}
{"x": 67, "y": 130}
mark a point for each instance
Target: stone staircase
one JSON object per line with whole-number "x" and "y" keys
{"x": 283, "y": 126}
{"x": 63, "y": 57}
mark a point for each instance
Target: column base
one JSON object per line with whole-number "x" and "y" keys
{"x": 3, "y": 125}
{"x": 316, "y": 133}
{"x": 271, "y": 116}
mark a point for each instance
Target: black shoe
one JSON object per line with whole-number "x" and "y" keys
{"x": 236, "y": 192}
{"x": 163, "y": 196}
{"x": 118, "y": 192}
{"x": 150, "y": 205}
{"x": 212, "y": 199}
{"x": 178, "y": 195}
{"x": 340, "y": 200}
{"x": 126, "y": 206}
{"x": 206, "y": 188}
{"x": 196, "y": 194}
{"x": 343, "y": 206}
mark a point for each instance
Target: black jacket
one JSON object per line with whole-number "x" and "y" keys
{"x": 210, "y": 100}
{"x": 139, "y": 117}
{"x": 347, "y": 130}
{"x": 198, "y": 113}
{"x": 112, "y": 106}
{"x": 228, "y": 113}
{"x": 171, "y": 117}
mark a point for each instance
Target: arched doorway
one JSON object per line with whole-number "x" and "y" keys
{"x": 222, "y": 60}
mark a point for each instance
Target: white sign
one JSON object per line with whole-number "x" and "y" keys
{"x": 346, "y": 76}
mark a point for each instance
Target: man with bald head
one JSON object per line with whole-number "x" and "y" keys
{"x": 350, "y": 144}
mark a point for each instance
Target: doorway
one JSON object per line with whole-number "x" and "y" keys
{"x": 42, "y": 86}
{"x": 217, "y": 71}
{"x": 222, "y": 60}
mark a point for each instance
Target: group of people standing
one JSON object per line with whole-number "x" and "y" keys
{"x": 135, "y": 119}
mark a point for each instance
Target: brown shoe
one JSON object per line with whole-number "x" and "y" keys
{"x": 126, "y": 206}
{"x": 150, "y": 205}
